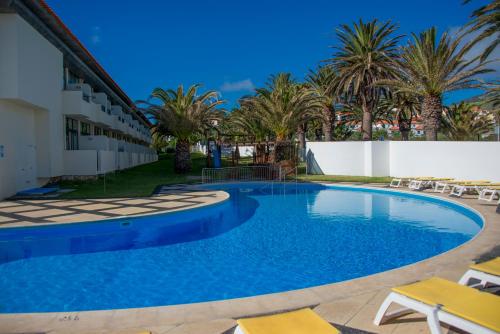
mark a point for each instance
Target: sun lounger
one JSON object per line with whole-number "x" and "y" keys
{"x": 443, "y": 186}
{"x": 486, "y": 272}
{"x": 399, "y": 182}
{"x": 444, "y": 301}
{"x": 488, "y": 193}
{"x": 459, "y": 189}
{"x": 303, "y": 321}
{"x": 424, "y": 183}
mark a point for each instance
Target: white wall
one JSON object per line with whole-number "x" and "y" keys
{"x": 31, "y": 77}
{"x": 18, "y": 168}
{"x": 80, "y": 162}
{"x": 107, "y": 161}
{"x": 341, "y": 158}
{"x": 460, "y": 160}
{"x": 32, "y": 115}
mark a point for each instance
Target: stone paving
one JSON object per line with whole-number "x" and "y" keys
{"x": 53, "y": 211}
{"x": 350, "y": 305}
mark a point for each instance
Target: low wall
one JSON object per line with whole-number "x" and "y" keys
{"x": 460, "y": 160}
{"x": 107, "y": 162}
{"x": 80, "y": 162}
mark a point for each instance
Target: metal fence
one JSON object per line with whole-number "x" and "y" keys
{"x": 241, "y": 174}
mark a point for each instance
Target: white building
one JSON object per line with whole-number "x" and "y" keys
{"x": 61, "y": 114}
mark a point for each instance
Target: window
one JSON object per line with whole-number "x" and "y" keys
{"x": 97, "y": 131}
{"x": 106, "y": 133}
{"x": 84, "y": 129}
{"x": 71, "y": 134}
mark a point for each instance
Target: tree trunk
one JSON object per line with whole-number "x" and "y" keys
{"x": 405, "y": 128}
{"x": 260, "y": 153}
{"x": 237, "y": 154}
{"x": 432, "y": 108}
{"x": 328, "y": 123}
{"x": 301, "y": 136}
{"x": 366, "y": 126}
{"x": 281, "y": 149}
{"x": 182, "y": 162}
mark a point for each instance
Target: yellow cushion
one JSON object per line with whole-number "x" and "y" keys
{"x": 474, "y": 182}
{"x": 303, "y": 321}
{"x": 479, "y": 307}
{"x": 489, "y": 267}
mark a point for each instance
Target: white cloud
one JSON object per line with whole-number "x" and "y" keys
{"x": 95, "y": 36}
{"x": 238, "y": 86}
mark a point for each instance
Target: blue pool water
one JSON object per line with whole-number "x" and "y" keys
{"x": 263, "y": 239}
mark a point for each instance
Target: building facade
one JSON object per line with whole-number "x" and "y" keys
{"x": 61, "y": 114}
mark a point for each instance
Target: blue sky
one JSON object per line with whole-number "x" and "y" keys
{"x": 230, "y": 45}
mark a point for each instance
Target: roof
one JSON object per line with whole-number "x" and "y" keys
{"x": 49, "y": 18}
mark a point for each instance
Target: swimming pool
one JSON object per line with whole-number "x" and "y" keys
{"x": 266, "y": 238}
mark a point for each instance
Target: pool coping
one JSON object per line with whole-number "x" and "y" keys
{"x": 225, "y": 196}
{"x": 459, "y": 256}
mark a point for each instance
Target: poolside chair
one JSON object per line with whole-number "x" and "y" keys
{"x": 303, "y": 321}
{"x": 424, "y": 183}
{"x": 443, "y": 186}
{"x": 486, "y": 272}
{"x": 459, "y": 189}
{"x": 399, "y": 182}
{"x": 444, "y": 301}
{"x": 488, "y": 193}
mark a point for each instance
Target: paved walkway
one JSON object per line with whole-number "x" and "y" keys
{"x": 167, "y": 198}
{"x": 352, "y": 303}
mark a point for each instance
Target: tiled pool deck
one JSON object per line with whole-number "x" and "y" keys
{"x": 351, "y": 303}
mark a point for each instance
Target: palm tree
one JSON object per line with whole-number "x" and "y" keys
{"x": 353, "y": 113}
{"x": 491, "y": 102}
{"x": 282, "y": 106}
{"x": 322, "y": 81}
{"x": 243, "y": 122}
{"x": 183, "y": 115}
{"x": 465, "y": 122}
{"x": 404, "y": 107}
{"x": 366, "y": 55}
{"x": 486, "y": 20}
{"x": 430, "y": 67}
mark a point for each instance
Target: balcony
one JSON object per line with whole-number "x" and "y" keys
{"x": 74, "y": 105}
{"x": 103, "y": 118}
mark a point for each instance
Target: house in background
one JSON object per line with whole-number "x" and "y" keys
{"x": 61, "y": 114}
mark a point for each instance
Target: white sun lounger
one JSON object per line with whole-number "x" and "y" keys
{"x": 487, "y": 273}
{"x": 447, "y": 302}
{"x": 397, "y": 182}
{"x": 459, "y": 189}
{"x": 488, "y": 193}
{"x": 424, "y": 183}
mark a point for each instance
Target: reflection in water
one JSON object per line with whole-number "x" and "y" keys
{"x": 425, "y": 214}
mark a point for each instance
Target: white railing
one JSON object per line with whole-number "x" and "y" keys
{"x": 241, "y": 174}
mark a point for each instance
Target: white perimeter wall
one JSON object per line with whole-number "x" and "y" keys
{"x": 460, "y": 160}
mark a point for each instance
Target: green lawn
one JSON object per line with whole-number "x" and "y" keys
{"x": 135, "y": 182}
{"x": 142, "y": 180}
{"x": 345, "y": 178}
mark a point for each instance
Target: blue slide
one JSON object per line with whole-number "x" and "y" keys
{"x": 216, "y": 158}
